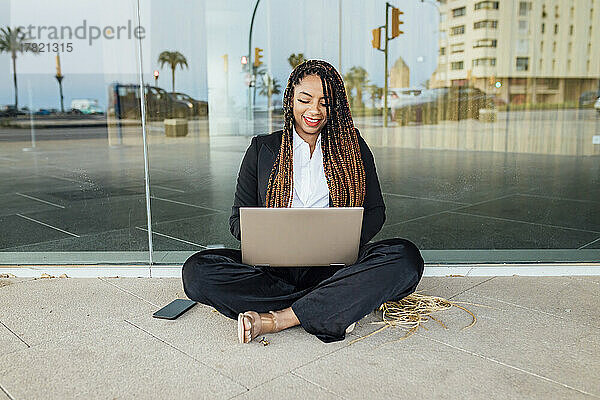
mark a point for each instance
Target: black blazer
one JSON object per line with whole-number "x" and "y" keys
{"x": 254, "y": 176}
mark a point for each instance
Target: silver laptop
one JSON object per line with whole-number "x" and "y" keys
{"x": 300, "y": 237}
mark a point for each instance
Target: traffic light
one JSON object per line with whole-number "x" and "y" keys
{"x": 257, "y": 56}
{"x": 376, "y": 41}
{"x": 396, "y": 13}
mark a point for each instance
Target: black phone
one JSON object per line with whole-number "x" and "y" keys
{"x": 174, "y": 309}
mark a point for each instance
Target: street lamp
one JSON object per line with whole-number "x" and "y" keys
{"x": 156, "y": 77}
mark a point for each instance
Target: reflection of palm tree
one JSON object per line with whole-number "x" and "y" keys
{"x": 356, "y": 78}
{"x": 296, "y": 59}
{"x": 173, "y": 58}
{"x": 12, "y": 41}
{"x": 267, "y": 85}
{"x": 375, "y": 92}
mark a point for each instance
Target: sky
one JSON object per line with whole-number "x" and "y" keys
{"x": 204, "y": 31}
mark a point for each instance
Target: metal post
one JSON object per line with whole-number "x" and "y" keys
{"x": 250, "y": 64}
{"x": 340, "y": 37}
{"x": 145, "y": 144}
{"x": 385, "y": 84}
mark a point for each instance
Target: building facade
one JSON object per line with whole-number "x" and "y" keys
{"x": 540, "y": 51}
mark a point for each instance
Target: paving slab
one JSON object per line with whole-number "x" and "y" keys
{"x": 3, "y": 395}
{"x": 116, "y": 361}
{"x": 156, "y": 291}
{"x": 207, "y": 335}
{"x": 575, "y": 214}
{"x": 9, "y": 342}
{"x": 450, "y": 230}
{"x": 421, "y": 369}
{"x": 575, "y": 300}
{"x": 47, "y": 309}
{"x": 289, "y": 387}
{"x": 555, "y": 348}
{"x": 447, "y": 287}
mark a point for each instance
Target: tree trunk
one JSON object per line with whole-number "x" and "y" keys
{"x": 14, "y": 60}
{"x": 173, "y": 79}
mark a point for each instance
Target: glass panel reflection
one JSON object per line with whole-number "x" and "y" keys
{"x": 68, "y": 190}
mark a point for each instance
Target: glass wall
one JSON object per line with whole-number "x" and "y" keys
{"x": 70, "y": 180}
{"x": 488, "y": 150}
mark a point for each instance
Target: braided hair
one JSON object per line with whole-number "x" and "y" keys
{"x": 342, "y": 161}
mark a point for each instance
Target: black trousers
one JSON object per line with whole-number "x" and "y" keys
{"x": 326, "y": 300}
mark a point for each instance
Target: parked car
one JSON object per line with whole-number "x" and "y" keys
{"x": 86, "y": 106}
{"x": 597, "y": 105}
{"x": 10, "y": 111}
{"x": 200, "y": 108}
{"x": 124, "y": 103}
{"x": 396, "y": 97}
{"x": 449, "y": 103}
{"x": 587, "y": 99}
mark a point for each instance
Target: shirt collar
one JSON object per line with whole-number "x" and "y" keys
{"x": 298, "y": 141}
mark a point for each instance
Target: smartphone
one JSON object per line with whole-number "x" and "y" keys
{"x": 174, "y": 309}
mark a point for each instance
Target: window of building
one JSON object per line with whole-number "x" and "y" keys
{"x": 542, "y": 45}
{"x": 554, "y": 46}
{"x": 541, "y": 63}
{"x": 553, "y": 64}
{"x": 523, "y": 25}
{"x": 485, "y": 43}
{"x": 572, "y": 12}
{"x": 543, "y": 27}
{"x": 442, "y": 51}
{"x": 442, "y": 17}
{"x": 458, "y": 30}
{"x": 484, "y": 62}
{"x": 457, "y": 65}
{"x": 544, "y": 11}
{"x": 459, "y": 12}
{"x": 569, "y": 65}
{"x": 522, "y": 63}
{"x": 487, "y": 5}
{"x": 457, "y": 48}
{"x": 523, "y": 46}
{"x": 556, "y": 12}
{"x": 570, "y": 47}
{"x": 524, "y": 8}
{"x": 486, "y": 23}
{"x": 571, "y": 30}
{"x": 589, "y": 48}
{"x": 555, "y": 29}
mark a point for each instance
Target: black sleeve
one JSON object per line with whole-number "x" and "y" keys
{"x": 246, "y": 192}
{"x": 374, "y": 207}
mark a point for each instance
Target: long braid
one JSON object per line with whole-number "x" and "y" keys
{"x": 342, "y": 162}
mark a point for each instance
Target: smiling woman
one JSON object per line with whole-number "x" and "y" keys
{"x": 338, "y": 164}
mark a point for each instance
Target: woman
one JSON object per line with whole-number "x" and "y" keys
{"x": 317, "y": 160}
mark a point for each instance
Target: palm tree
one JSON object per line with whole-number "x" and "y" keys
{"x": 296, "y": 59}
{"x": 356, "y": 78}
{"x": 173, "y": 58}
{"x": 375, "y": 92}
{"x": 12, "y": 41}
{"x": 268, "y": 86}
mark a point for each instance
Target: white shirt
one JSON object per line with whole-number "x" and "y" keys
{"x": 310, "y": 185}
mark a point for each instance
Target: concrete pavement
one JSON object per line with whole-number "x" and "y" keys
{"x": 67, "y": 338}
